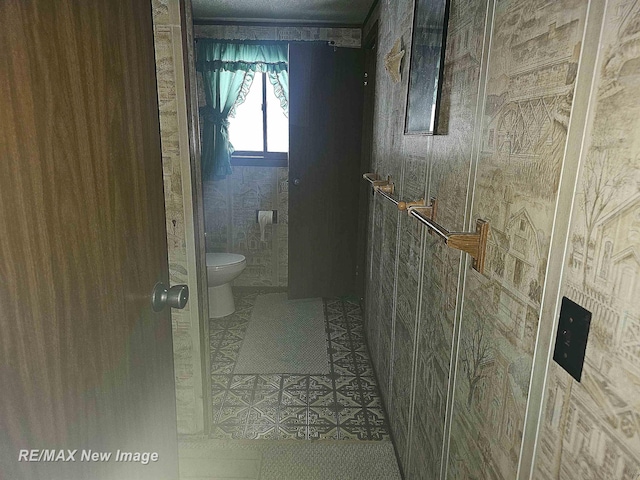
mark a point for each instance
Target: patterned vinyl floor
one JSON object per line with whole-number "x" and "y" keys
{"x": 342, "y": 405}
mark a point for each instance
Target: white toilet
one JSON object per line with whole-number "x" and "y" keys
{"x": 222, "y": 269}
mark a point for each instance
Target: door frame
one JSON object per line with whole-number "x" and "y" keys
{"x": 179, "y": 15}
{"x": 197, "y": 199}
{"x": 370, "y": 45}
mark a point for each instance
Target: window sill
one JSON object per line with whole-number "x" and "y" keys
{"x": 259, "y": 159}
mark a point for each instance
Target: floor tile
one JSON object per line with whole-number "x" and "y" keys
{"x": 292, "y": 416}
{"x": 221, "y": 368}
{"x": 220, "y": 381}
{"x": 266, "y": 397}
{"x": 239, "y": 398}
{"x": 291, "y": 399}
{"x": 261, "y": 430}
{"x": 323, "y": 432}
{"x": 263, "y": 414}
{"x": 322, "y": 416}
{"x": 268, "y": 382}
{"x": 295, "y": 382}
{"x": 295, "y": 432}
{"x": 234, "y": 415}
{"x": 245, "y": 382}
{"x": 343, "y": 405}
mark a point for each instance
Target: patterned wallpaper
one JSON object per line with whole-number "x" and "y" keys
{"x": 231, "y": 224}
{"x": 530, "y": 82}
{"x": 343, "y": 37}
{"x": 453, "y": 349}
{"x": 591, "y": 430}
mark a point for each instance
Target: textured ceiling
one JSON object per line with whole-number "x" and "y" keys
{"x": 306, "y": 11}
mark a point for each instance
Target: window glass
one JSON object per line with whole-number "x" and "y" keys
{"x": 277, "y": 123}
{"x": 245, "y": 129}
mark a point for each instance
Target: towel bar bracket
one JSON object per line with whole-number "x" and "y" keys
{"x": 473, "y": 243}
{"x": 385, "y": 186}
{"x": 427, "y": 211}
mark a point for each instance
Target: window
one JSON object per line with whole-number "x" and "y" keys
{"x": 259, "y": 131}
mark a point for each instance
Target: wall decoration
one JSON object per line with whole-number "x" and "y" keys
{"x": 393, "y": 61}
{"x": 425, "y": 67}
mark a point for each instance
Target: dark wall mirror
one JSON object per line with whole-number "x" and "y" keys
{"x": 425, "y": 67}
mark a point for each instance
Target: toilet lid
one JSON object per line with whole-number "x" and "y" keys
{"x": 222, "y": 259}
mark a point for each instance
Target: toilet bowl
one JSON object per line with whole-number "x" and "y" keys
{"x": 222, "y": 268}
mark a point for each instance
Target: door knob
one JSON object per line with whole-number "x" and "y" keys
{"x": 175, "y": 297}
{"x": 296, "y": 181}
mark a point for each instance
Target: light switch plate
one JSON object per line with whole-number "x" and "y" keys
{"x": 571, "y": 339}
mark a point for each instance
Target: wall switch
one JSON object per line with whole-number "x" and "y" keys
{"x": 571, "y": 339}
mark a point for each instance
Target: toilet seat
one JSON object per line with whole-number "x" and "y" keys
{"x": 218, "y": 261}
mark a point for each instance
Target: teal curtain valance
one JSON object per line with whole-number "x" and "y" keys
{"x": 231, "y": 56}
{"x": 228, "y": 70}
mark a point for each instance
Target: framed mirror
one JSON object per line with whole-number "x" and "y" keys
{"x": 426, "y": 64}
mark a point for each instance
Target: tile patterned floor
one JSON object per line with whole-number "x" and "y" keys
{"x": 342, "y": 405}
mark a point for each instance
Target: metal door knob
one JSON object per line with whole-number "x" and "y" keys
{"x": 296, "y": 181}
{"x": 175, "y": 297}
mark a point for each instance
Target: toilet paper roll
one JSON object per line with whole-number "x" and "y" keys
{"x": 265, "y": 217}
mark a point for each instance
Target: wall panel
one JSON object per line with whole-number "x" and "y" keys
{"x": 500, "y": 159}
{"x": 591, "y": 429}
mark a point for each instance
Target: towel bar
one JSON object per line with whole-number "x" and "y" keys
{"x": 386, "y": 189}
{"x": 383, "y": 186}
{"x": 473, "y": 243}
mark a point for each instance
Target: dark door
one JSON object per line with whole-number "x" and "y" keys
{"x": 85, "y": 363}
{"x": 325, "y": 131}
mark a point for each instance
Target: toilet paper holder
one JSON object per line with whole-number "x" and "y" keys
{"x": 275, "y": 215}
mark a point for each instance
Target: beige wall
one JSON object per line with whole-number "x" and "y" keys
{"x": 343, "y": 37}
{"x": 592, "y": 429}
{"x": 180, "y": 214}
{"x": 231, "y": 223}
{"x": 455, "y": 350}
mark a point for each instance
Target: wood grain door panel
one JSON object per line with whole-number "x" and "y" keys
{"x": 84, "y": 361}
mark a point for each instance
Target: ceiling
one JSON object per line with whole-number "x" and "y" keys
{"x": 344, "y": 12}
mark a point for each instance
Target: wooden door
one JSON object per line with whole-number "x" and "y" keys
{"x": 85, "y": 364}
{"x": 325, "y": 131}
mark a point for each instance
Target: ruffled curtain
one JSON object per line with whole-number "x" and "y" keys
{"x": 228, "y": 69}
